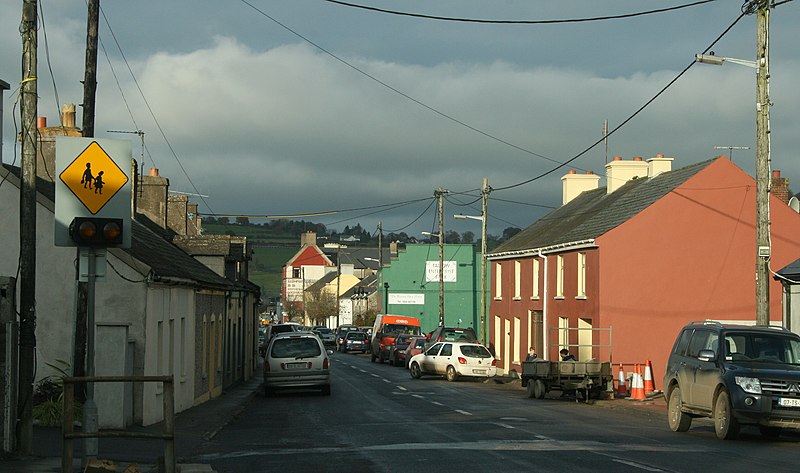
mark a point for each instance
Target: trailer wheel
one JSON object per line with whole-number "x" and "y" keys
{"x": 529, "y": 389}
{"x": 539, "y": 389}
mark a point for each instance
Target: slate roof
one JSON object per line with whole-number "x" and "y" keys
{"x": 321, "y": 282}
{"x": 368, "y": 285}
{"x": 357, "y": 257}
{"x": 594, "y": 213}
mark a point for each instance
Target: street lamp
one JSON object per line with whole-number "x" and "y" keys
{"x": 763, "y": 247}
{"x": 441, "y": 275}
{"x": 386, "y": 298}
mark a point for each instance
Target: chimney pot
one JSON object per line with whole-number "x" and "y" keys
{"x": 41, "y": 122}
{"x": 153, "y": 172}
{"x": 68, "y": 115}
{"x": 660, "y": 155}
{"x": 590, "y": 172}
{"x": 776, "y": 173}
{"x": 571, "y": 171}
{"x": 637, "y": 158}
{"x": 617, "y": 158}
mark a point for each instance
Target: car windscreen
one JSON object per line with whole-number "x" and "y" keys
{"x": 420, "y": 343}
{"x": 475, "y": 351}
{"x": 291, "y": 347}
{"x": 458, "y": 335}
{"x": 282, "y": 329}
{"x": 323, "y": 330}
{"x": 398, "y": 329}
{"x": 761, "y": 348}
{"x": 356, "y": 336}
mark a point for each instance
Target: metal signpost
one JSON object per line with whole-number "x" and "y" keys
{"x": 93, "y": 212}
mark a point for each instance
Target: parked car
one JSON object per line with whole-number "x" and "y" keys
{"x": 454, "y": 360}
{"x": 275, "y": 329}
{"x": 355, "y": 340}
{"x": 416, "y": 347}
{"x": 296, "y": 360}
{"x": 735, "y": 375}
{"x": 326, "y": 335}
{"x": 397, "y": 350}
{"x": 452, "y": 334}
{"x": 341, "y": 331}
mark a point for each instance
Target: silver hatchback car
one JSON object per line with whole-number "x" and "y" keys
{"x": 296, "y": 360}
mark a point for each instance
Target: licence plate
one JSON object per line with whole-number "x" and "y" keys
{"x": 788, "y": 402}
{"x": 295, "y": 366}
{"x": 479, "y": 371}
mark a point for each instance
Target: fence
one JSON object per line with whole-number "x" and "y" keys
{"x": 169, "y": 418}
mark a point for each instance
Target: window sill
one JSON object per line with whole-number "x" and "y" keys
{"x": 580, "y": 298}
{"x": 559, "y": 298}
{"x": 535, "y": 298}
{"x": 517, "y": 298}
{"x": 498, "y": 298}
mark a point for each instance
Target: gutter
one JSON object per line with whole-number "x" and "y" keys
{"x": 572, "y": 245}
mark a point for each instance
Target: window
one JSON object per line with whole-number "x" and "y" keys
{"x": 581, "y": 275}
{"x": 434, "y": 350}
{"x": 563, "y": 332}
{"x": 535, "y": 289}
{"x": 702, "y": 340}
{"x": 560, "y": 277}
{"x": 498, "y": 281}
{"x": 517, "y": 265}
{"x": 447, "y": 350}
{"x": 296, "y": 273}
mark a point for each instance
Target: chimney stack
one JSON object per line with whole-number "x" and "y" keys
{"x": 308, "y": 239}
{"x": 658, "y": 164}
{"x": 619, "y": 172}
{"x": 573, "y": 184}
{"x": 779, "y": 187}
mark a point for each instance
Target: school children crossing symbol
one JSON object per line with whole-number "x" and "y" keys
{"x": 93, "y": 177}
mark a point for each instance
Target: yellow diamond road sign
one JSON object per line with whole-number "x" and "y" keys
{"x": 93, "y": 177}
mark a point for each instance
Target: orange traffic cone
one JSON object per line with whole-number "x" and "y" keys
{"x": 622, "y": 388}
{"x": 649, "y": 387}
{"x": 637, "y": 386}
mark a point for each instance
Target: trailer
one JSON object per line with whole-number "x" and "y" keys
{"x": 540, "y": 377}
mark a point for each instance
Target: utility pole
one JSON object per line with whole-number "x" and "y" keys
{"x": 484, "y": 205}
{"x": 27, "y": 227}
{"x": 762, "y": 164}
{"x": 85, "y": 316}
{"x": 440, "y": 195}
{"x": 338, "y": 280}
{"x": 380, "y": 245}
{"x": 89, "y": 92}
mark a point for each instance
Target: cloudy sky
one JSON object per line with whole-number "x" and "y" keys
{"x": 276, "y": 107}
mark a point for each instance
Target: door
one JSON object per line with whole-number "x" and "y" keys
{"x": 428, "y": 364}
{"x": 444, "y": 359}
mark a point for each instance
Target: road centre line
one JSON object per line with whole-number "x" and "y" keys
{"x": 437, "y": 403}
{"x": 386, "y": 380}
{"x": 401, "y": 388}
{"x": 505, "y": 426}
{"x": 463, "y": 412}
{"x": 375, "y": 375}
{"x": 636, "y": 465}
{"x": 418, "y": 396}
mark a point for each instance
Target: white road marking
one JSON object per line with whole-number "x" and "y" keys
{"x": 437, "y": 403}
{"x": 418, "y": 396}
{"x": 505, "y": 426}
{"x": 402, "y": 388}
{"x": 386, "y": 380}
{"x": 362, "y": 371}
{"x": 637, "y": 465}
{"x": 375, "y": 375}
{"x": 463, "y": 412}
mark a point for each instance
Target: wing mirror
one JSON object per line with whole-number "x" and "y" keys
{"x": 706, "y": 355}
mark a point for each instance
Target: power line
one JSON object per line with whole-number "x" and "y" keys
{"x": 519, "y": 22}
{"x": 639, "y": 110}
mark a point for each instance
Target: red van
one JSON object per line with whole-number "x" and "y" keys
{"x": 386, "y": 329}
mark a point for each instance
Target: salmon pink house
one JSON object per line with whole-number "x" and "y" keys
{"x": 616, "y": 271}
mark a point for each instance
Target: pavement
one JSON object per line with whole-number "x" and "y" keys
{"x": 202, "y": 423}
{"x": 192, "y": 427}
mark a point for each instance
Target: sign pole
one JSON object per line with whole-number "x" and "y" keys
{"x": 90, "y": 415}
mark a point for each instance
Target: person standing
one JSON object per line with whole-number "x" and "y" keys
{"x": 567, "y": 356}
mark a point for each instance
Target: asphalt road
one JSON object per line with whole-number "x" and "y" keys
{"x": 379, "y": 419}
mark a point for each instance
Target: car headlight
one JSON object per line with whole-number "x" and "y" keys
{"x": 750, "y": 385}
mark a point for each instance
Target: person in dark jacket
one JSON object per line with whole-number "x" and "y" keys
{"x": 566, "y": 355}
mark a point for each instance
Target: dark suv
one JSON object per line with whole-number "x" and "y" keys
{"x": 452, "y": 334}
{"x": 734, "y": 374}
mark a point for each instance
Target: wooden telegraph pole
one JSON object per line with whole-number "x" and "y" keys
{"x": 763, "y": 249}
{"x": 440, "y": 195}
{"x": 27, "y": 228}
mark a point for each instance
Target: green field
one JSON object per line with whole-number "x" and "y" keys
{"x": 271, "y": 251}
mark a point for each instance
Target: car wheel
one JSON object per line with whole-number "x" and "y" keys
{"x": 678, "y": 420}
{"x": 415, "y": 371}
{"x": 326, "y": 390}
{"x": 725, "y": 424}
{"x": 451, "y": 374}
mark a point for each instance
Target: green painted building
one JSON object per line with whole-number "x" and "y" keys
{"x": 413, "y": 285}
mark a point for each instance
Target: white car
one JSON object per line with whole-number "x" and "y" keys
{"x": 296, "y": 360}
{"x": 454, "y": 360}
